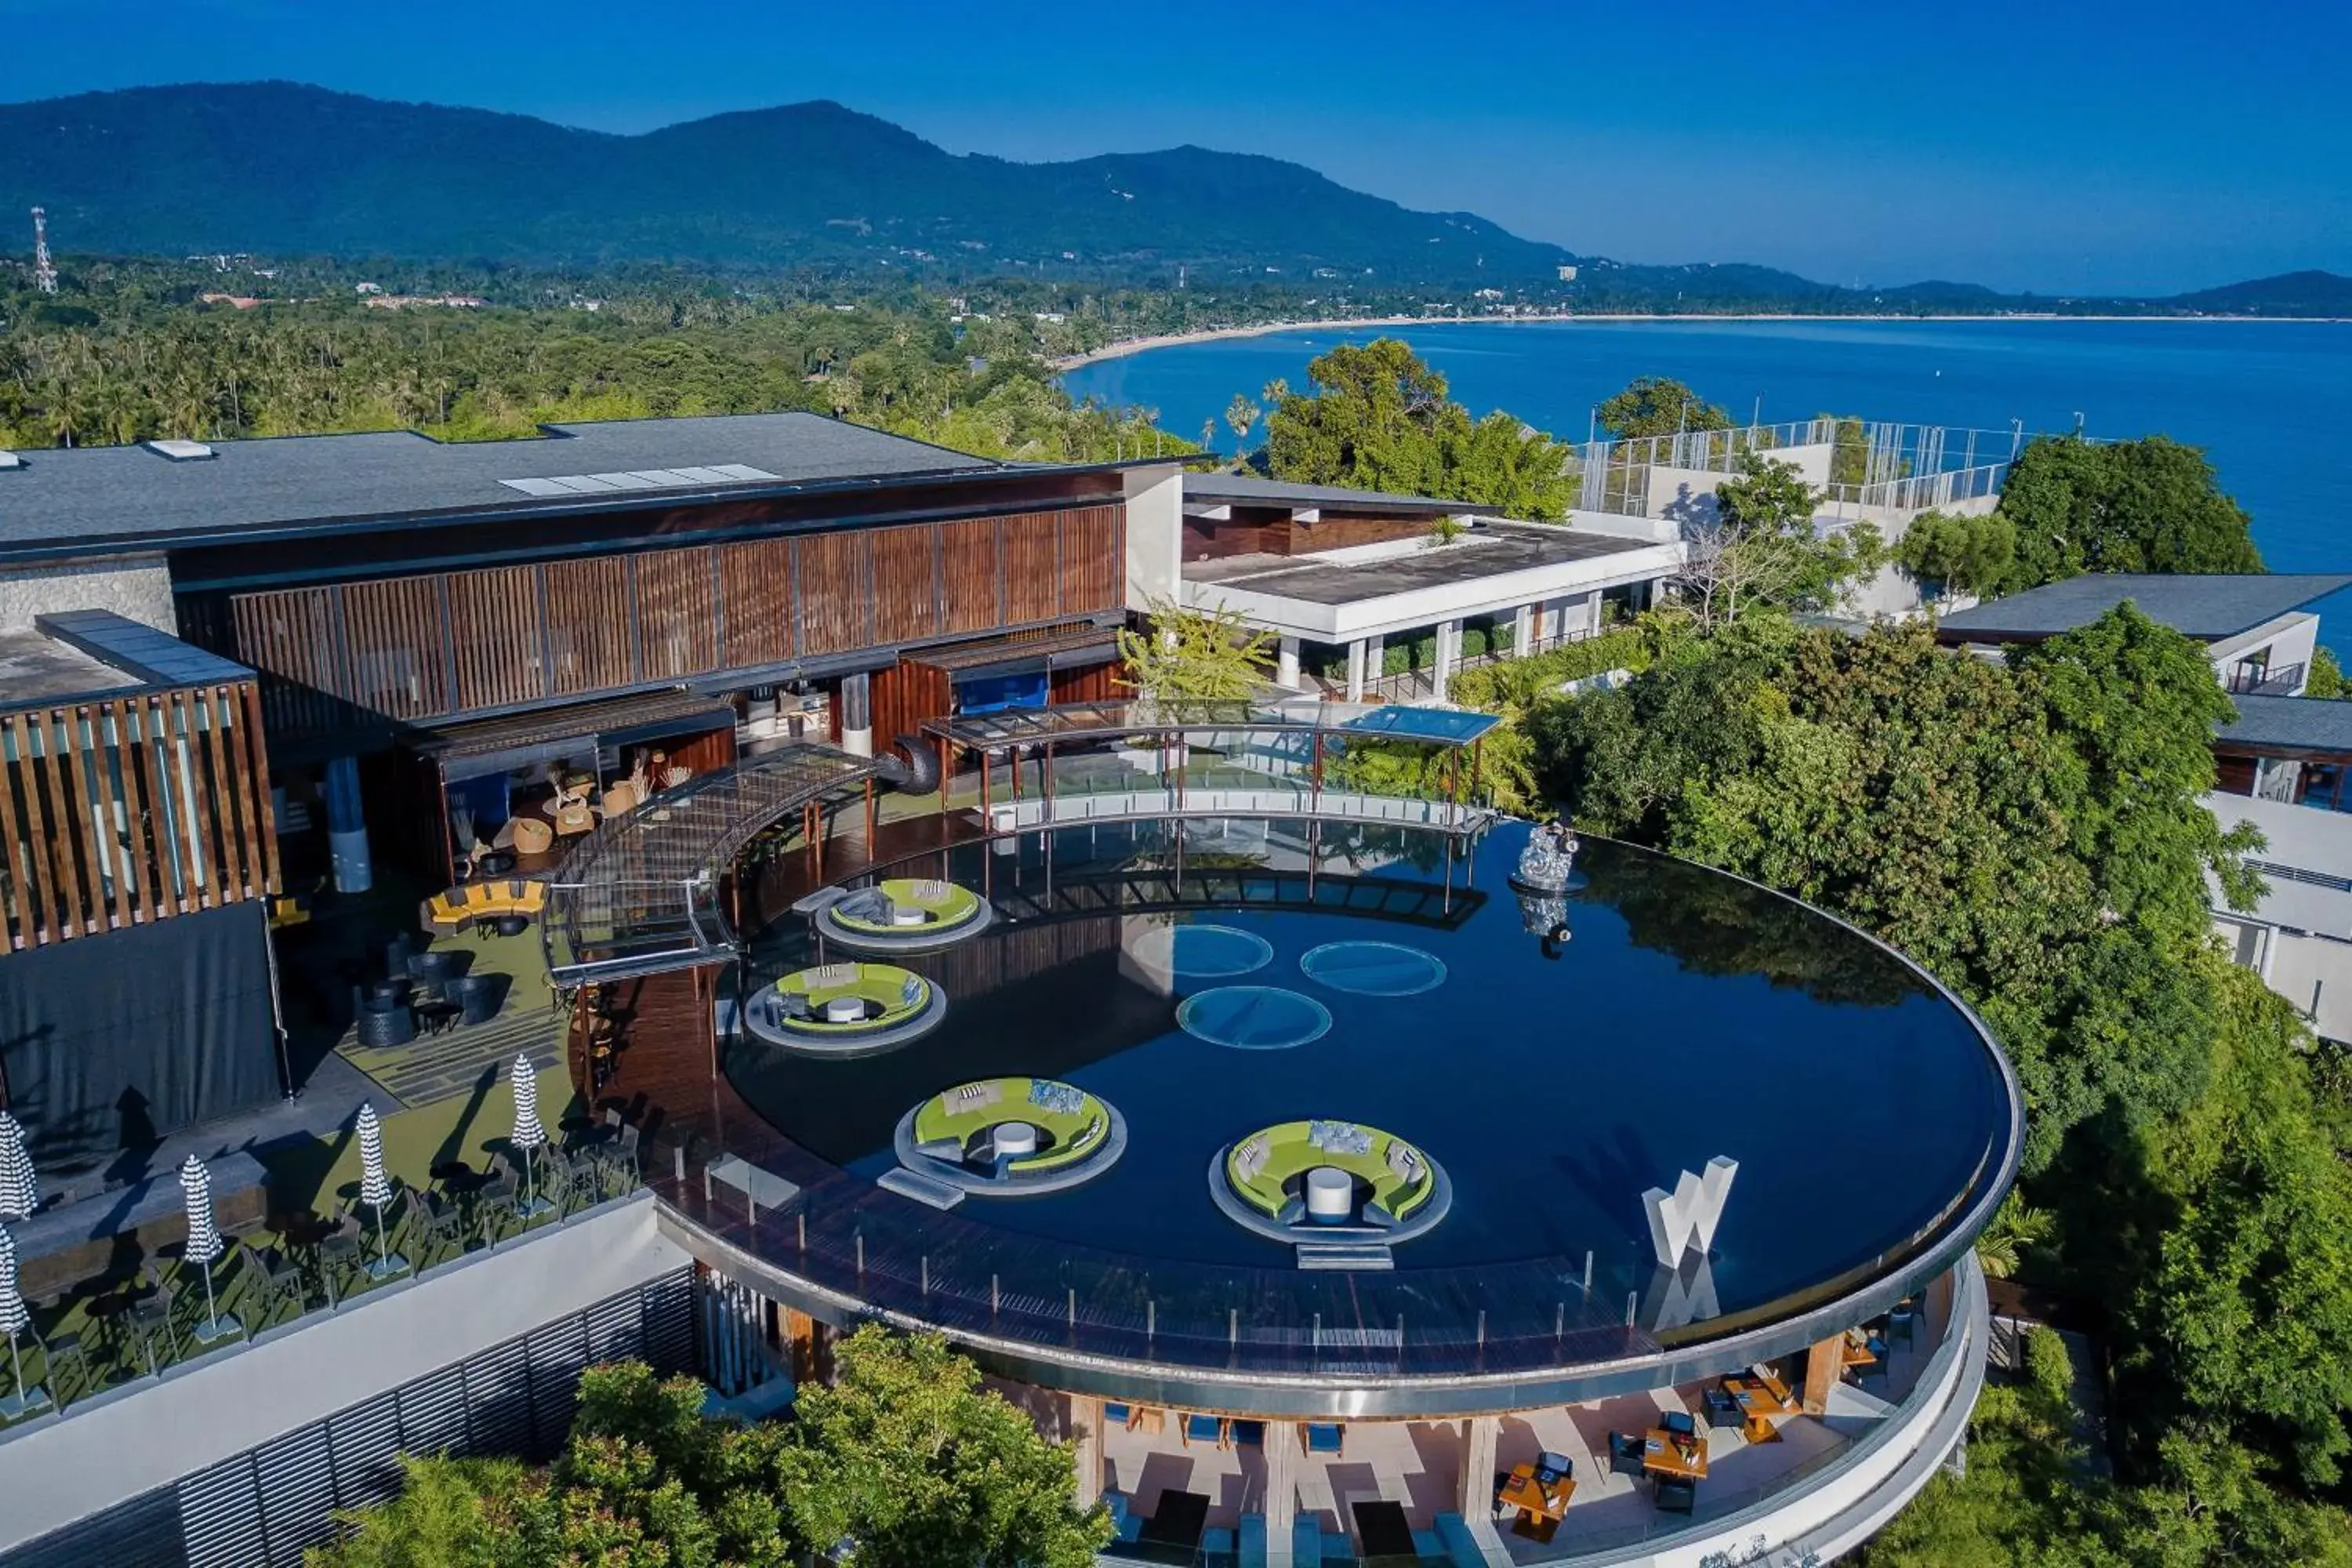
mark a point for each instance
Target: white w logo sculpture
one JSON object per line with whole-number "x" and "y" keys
{"x": 1686, "y": 1217}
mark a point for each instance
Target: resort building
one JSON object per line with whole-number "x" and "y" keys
{"x": 1343, "y": 577}
{"x": 743, "y": 807}
{"x": 2280, "y": 761}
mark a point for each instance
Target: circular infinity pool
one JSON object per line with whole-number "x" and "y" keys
{"x": 1693, "y": 1017}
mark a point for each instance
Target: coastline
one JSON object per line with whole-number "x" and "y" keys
{"x": 1128, "y": 346}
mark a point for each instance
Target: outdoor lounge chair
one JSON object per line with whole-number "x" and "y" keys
{"x": 1674, "y": 1496}
{"x": 1628, "y": 1455}
{"x": 1679, "y": 1422}
{"x": 1325, "y": 1438}
{"x": 1208, "y": 1429}
{"x": 1724, "y": 1409}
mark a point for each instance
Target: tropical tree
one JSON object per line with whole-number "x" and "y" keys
{"x": 1757, "y": 547}
{"x": 2150, "y": 505}
{"x": 1956, "y": 555}
{"x": 1381, "y": 419}
{"x": 909, "y": 1459}
{"x": 1192, "y": 655}
{"x": 1659, "y": 405}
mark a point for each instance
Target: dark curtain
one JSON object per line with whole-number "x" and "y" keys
{"x": 112, "y": 1042}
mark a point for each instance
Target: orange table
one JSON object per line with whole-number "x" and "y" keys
{"x": 1858, "y": 1352}
{"x": 1756, "y": 1403}
{"x": 1529, "y": 1495}
{"x": 1684, "y": 1458}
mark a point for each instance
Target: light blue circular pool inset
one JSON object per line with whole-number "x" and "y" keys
{"x": 1203, "y": 952}
{"x": 1373, "y": 968}
{"x": 1254, "y": 1017}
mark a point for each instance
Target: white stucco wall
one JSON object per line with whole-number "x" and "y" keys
{"x": 136, "y": 588}
{"x": 2289, "y": 640}
{"x": 146, "y": 1435}
{"x": 1155, "y": 530}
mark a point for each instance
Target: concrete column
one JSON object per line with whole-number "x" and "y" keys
{"x": 1286, "y": 663}
{"x": 346, "y": 840}
{"x": 1449, "y": 654}
{"x": 1824, "y": 1366}
{"x": 856, "y": 715}
{"x": 1087, "y": 1431}
{"x": 1356, "y": 670}
{"x": 1592, "y": 612}
{"x": 1524, "y": 624}
{"x": 1478, "y": 1437}
{"x": 1282, "y": 1454}
{"x": 1376, "y": 649}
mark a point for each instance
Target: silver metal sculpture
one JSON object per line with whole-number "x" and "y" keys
{"x": 1547, "y": 865}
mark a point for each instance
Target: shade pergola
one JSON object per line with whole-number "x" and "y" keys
{"x": 1080, "y": 723}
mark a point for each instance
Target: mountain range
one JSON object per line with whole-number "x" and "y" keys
{"x": 282, "y": 168}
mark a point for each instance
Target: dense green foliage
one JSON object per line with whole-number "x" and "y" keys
{"x": 1379, "y": 419}
{"x": 150, "y": 368}
{"x": 1659, "y": 405}
{"x": 1956, "y": 555}
{"x": 905, "y": 1458}
{"x": 1185, "y": 655}
{"x": 2149, "y": 505}
{"x": 2031, "y": 832}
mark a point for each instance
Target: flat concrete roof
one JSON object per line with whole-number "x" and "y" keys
{"x": 35, "y": 668}
{"x": 74, "y": 654}
{"x": 2209, "y": 607}
{"x": 1492, "y": 551}
{"x": 83, "y": 496}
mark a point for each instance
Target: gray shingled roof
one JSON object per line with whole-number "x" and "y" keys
{"x": 2209, "y": 608}
{"x": 2291, "y": 723}
{"x": 122, "y": 494}
{"x": 1249, "y": 489}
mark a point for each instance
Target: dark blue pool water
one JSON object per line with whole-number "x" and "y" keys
{"x": 1689, "y": 1016}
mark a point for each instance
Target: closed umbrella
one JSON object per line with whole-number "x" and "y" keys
{"x": 528, "y": 1134}
{"x": 375, "y": 1191}
{"x": 20, "y": 1189}
{"x": 204, "y": 1244}
{"x": 13, "y": 1321}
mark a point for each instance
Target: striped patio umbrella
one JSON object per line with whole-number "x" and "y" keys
{"x": 529, "y": 1131}
{"x": 204, "y": 1242}
{"x": 13, "y": 1321}
{"x": 375, "y": 1190}
{"x": 20, "y": 1189}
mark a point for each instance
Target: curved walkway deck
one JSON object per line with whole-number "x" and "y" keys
{"x": 639, "y": 895}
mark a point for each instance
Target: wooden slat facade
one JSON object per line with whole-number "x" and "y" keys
{"x": 441, "y": 644}
{"x": 120, "y": 810}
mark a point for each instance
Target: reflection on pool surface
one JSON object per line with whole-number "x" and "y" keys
{"x": 1693, "y": 1015}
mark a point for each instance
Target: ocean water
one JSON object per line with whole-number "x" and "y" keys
{"x": 2271, "y": 401}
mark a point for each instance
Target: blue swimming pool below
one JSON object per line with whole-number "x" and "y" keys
{"x": 1689, "y": 1016}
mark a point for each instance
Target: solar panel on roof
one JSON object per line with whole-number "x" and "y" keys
{"x": 639, "y": 479}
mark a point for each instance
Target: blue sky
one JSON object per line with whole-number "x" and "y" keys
{"x": 2059, "y": 146}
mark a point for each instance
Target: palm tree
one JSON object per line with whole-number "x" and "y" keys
{"x": 2016, "y": 1229}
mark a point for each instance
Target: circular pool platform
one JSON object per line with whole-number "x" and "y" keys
{"x": 1555, "y": 1090}
{"x": 846, "y": 1009}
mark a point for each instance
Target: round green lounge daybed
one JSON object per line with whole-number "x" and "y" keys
{"x": 1297, "y": 1180}
{"x": 845, "y": 1007}
{"x": 1011, "y": 1135}
{"x": 903, "y": 914}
